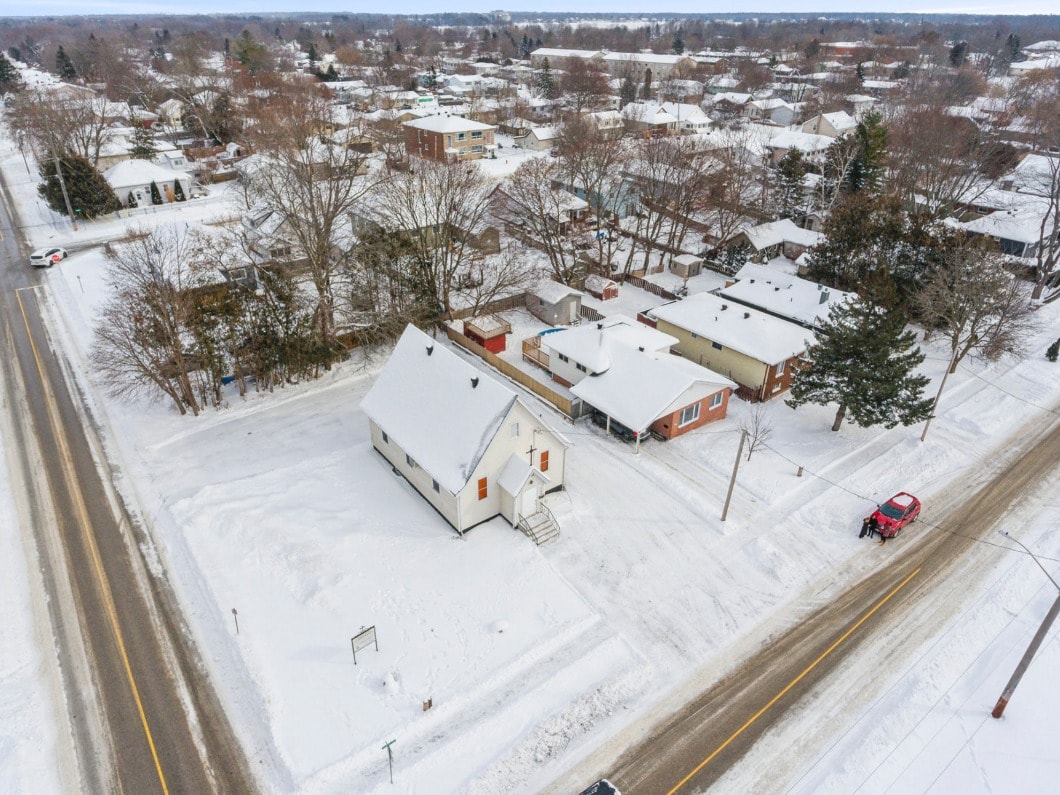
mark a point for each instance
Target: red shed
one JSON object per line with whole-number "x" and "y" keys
{"x": 491, "y": 332}
{"x": 601, "y": 287}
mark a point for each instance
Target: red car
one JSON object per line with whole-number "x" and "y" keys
{"x": 902, "y": 509}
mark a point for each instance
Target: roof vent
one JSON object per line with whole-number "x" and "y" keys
{"x": 724, "y": 307}
{"x": 599, "y": 326}
{"x": 640, "y": 348}
{"x": 752, "y": 281}
{"x": 474, "y": 381}
{"x": 776, "y": 289}
{"x": 430, "y": 349}
{"x": 746, "y": 315}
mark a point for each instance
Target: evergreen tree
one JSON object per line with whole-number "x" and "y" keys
{"x": 330, "y": 76}
{"x": 864, "y": 360}
{"x": 866, "y": 172}
{"x": 545, "y": 82}
{"x": 130, "y": 200}
{"x": 1052, "y": 353}
{"x": 859, "y": 72}
{"x": 178, "y": 191}
{"x": 312, "y": 54}
{"x": 64, "y": 67}
{"x": 678, "y": 45}
{"x": 143, "y": 143}
{"x": 90, "y": 194}
{"x": 645, "y": 92}
{"x": 156, "y": 194}
{"x": 430, "y": 80}
{"x": 958, "y": 53}
{"x": 628, "y": 92}
{"x": 1012, "y": 47}
{"x": 789, "y": 191}
{"x": 9, "y": 79}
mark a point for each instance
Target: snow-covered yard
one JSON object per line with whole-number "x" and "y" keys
{"x": 278, "y": 507}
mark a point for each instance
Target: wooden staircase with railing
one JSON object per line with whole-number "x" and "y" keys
{"x": 540, "y": 527}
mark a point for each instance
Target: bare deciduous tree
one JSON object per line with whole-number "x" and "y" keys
{"x": 758, "y": 428}
{"x": 976, "y": 305}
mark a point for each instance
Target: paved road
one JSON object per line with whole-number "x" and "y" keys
{"x": 144, "y": 717}
{"x": 691, "y": 749}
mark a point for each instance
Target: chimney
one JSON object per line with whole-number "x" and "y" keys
{"x": 474, "y": 381}
{"x": 430, "y": 349}
{"x": 824, "y": 297}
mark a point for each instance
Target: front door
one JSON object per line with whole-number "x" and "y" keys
{"x": 528, "y": 501}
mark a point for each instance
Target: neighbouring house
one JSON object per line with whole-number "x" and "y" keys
{"x": 783, "y": 294}
{"x": 773, "y": 110}
{"x": 600, "y": 287}
{"x": 831, "y": 124}
{"x": 647, "y": 118}
{"x": 463, "y": 440}
{"x": 774, "y": 238}
{"x": 755, "y": 349}
{"x": 538, "y": 139}
{"x": 554, "y": 303}
{"x": 624, "y": 370}
{"x": 646, "y": 67}
{"x": 691, "y": 119}
{"x": 560, "y": 58}
{"x": 449, "y": 138}
{"x": 608, "y": 122}
{"x": 131, "y": 181}
{"x": 489, "y": 331}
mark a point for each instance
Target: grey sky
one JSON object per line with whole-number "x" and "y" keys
{"x": 92, "y": 7}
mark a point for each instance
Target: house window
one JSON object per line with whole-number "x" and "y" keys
{"x": 716, "y": 399}
{"x": 544, "y": 461}
{"x": 434, "y": 484}
{"x": 476, "y": 148}
{"x": 476, "y": 134}
{"x": 779, "y": 371}
{"x": 461, "y": 136}
{"x": 689, "y": 414}
{"x": 563, "y": 358}
{"x": 386, "y": 439}
{"x": 483, "y": 491}
{"x": 409, "y": 460}
{"x": 716, "y": 346}
{"x": 581, "y": 367}
{"x": 514, "y": 430}
{"x": 694, "y": 335}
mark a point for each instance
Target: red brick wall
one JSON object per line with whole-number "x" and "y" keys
{"x": 668, "y": 426}
{"x": 775, "y": 385}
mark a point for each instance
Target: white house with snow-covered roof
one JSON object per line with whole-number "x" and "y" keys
{"x": 131, "y": 181}
{"x": 776, "y": 237}
{"x": 463, "y": 440}
{"x": 785, "y": 295}
{"x": 755, "y": 349}
{"x": 831, "y": 124}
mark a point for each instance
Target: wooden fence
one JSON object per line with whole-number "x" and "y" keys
{"x": 591, "y": 314}
{"x": 491, "y": 307}
{"x": 651, "y": 287}
{"x": 571, "y": 409}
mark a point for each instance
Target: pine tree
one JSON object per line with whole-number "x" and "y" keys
{"x": 143, "y": 143}
{"x": 1052, "y": 353}
{"x": 64, "y": 67}
{"x": 130, "y": 200}
{"x": 859, "y": 72}
{"x": 678, "y": 45}
{"x": 789, "y": 191}
{"x": 866, "y": 172}
{"x": 545, "y": 83}
{"x": 156, "y": 194}
{"x": 864, "y": 360}
{"x": 90, "y": 194}
{"x": 958, "y": 53}
{"x": 628, "y": 92}
{"x": 9, "y": 79}
{"x": 645, "y": 92}
{"x": 312, "y": 54}
{"x": 178, "y": 191}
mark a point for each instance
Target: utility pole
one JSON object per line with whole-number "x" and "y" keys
{"x": 938, "y": 396}
{"x": 66, "y": 196}
{"x": 735, "y": 469}
{"x": 1036, "y": 641}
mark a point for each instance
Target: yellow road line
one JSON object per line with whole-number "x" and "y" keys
{"x": 101, "y": 576}
{"x": 793, "y": 682}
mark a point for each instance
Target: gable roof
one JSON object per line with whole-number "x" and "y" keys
{"x": 639, "y": 386}
{"x": 784, "y": 294}
{"x": 447, "y": 124}
{"x": 784, "y": 230}
{"x": 748, "y": 331}
{"x": 140, "y": 172}
{"x": 426, "y": 404}
{"x": 591, "y": 344}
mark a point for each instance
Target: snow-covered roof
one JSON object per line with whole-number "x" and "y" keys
{"x": 784, "y": 294}
{"x": 447, "y": 124}
{"x": 558, "y": 52}
{"x": 515, "y": 474}
{"x": 592, "y": 344}
{"x": 139, "y": 172}
{"x": 427, "y": 402}
{"x": 748, "y": 331}
{"x": 639, "y": 387}
{"x": 645, "y": 58}
{"x": 783, "y": 231}
{"x": 551, "y": 292}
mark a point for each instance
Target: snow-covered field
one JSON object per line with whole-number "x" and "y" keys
{"x": 278, "y": 507}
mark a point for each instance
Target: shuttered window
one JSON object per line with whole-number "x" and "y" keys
{"x": 483, "y": 491}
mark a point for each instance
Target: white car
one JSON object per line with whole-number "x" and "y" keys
{"x": 46, "y": 257}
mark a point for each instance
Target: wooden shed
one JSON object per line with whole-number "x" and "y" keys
{"x": 490, "y": 331}
{"x": 600, "y": 287}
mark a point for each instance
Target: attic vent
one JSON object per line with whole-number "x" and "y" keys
{"x": 430, "y": 349}
{"x": 474, "y": 381}
{"x": 746, "y": 315}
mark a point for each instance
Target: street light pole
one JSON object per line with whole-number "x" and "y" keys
{"x": 1036, "y": 641}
